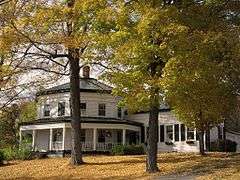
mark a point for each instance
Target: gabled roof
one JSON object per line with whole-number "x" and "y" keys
{"x": 86, "y": 85}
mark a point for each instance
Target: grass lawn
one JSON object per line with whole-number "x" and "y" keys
{"x": 212, "y": 166}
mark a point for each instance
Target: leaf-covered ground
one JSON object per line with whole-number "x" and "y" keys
{"x": 212, "y": 166}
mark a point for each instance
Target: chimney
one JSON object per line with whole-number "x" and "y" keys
{"x": 86, "y": 72}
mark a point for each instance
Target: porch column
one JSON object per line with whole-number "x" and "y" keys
{"x": 180, "y": 133}
{"x": 124, "y": 136}
{"x": 145, "y": 134}
{"x": 50, "y": 139}
{"x": 20, "y": 136}
{"x": 173, "y": 133}
{"x": 95, "y": 139}
{"x": 33, "y": 139}
{"x": 63, "y": 140}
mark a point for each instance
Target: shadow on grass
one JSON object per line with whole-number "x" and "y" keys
{"x": 205, "y": 165}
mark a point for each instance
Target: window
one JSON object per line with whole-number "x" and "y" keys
{"x": 46, "y": 110}
{"x": 101, "y": 109}
{"x": 162, "y": 133}
{"x": 61, "y": 108}
{"x": 190, "y": 134}
{"x": 169, "y": 132}
{"x": 83, "y": 107}
{"x": 183, "y": 138}
{"x": 176, "y": 132}
{"x": 119, "y": 112}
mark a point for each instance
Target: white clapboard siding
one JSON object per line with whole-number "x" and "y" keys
{"x": 91, "y": 99}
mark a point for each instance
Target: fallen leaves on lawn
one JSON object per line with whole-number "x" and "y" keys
{"x": 212, "y": 166}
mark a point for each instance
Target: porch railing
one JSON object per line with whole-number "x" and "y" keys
{"x": 106, "y": 146}
{"x": 57, "y": 145}
{"x": 88, "y": 146}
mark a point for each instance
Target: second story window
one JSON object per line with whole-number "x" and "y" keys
{"x": 83, "y": 107}
{"x": 46, "y": 110}
{"x": 61, "y": 108}
{"x": 119, "y": 112}
{"x": 102, "y": 109}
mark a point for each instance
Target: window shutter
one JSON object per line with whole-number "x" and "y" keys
{"x": 183, "y": 132}
{"x": 161, "y": 133}
{"x": 176, "y": 133}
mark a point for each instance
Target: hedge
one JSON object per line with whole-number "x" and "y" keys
{"x": 231, "y": 146}
{"x": 128, "y": 150}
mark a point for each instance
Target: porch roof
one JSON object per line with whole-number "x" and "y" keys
{"x": 67, "y": 119}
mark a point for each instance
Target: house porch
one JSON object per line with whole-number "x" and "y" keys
{"x": 94, "y": 137}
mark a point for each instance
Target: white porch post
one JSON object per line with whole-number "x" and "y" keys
{"x": 20, "y": 136}
{"x": 95, "y": 139}
{"x": 124, "y": 136}
{"x": 180, "y": 133}
{"x": 33, "y": 139}
{"x": 195, "y": 135}
{"x": 173, "y": 132}
{"x": 63, "y": 140}
{"x": 50, "y": 139}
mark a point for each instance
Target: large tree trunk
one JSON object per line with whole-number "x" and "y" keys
{"x": 76, "y": 153}
{"x": 201, "y": 142}
{"x": 208, "y": 140}
{"x": 152, "y": 140}
{"x": 153, "y": 133}
{"x": 224, "y": 136}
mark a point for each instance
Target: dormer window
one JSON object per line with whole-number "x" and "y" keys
{"x": 46, "y": 110}
{"x": 102, "y": 109}
{"x": 119, "y": 112}
{"x": 83, "y": 107}
{"x": 61, "y": 108}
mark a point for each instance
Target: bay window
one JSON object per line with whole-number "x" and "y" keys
{"x": 183, "y": 136}
{"x": 169, "y": 133}
{"x": 190, "y": 134}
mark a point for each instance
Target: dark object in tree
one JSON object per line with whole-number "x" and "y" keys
{"x": 219, "y": 146}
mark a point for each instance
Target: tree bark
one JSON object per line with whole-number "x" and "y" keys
{"x": 208, "y": 140}
{"x": 224, "y": 136}
{"x": 76, "y": 151}
{"x": 201, "y": 142}
{"x": 152, "y": 137}
{"x": 151, "y": 160}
